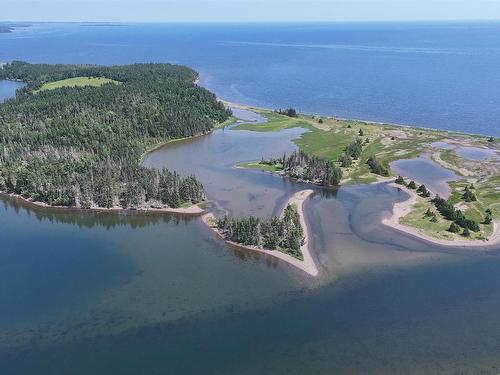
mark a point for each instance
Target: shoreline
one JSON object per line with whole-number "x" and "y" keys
{"x": 401, "y": 209}
{"x": 157, "y": 146}
{"x": 364, "y": 121}
{"x": 307, "y": 265}
{"x": 194, "y": 209}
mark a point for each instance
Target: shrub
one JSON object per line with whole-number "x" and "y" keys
{"x": 345, "y": 161}
{"x": 355, "y": 148}
{"x": 290, "y": 112}
{"x": 468, "y": 196}
{"x": 454, "y": 228}
{"x": 400, "y": 181}
{"x": 377, "y": 167}
{"x": 422, "y": 190}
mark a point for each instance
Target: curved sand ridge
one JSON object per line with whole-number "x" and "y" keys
{"x": 307, "y": 265}
{"x": 401, "y": 209}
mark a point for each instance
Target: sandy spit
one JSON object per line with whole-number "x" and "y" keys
{"x": 308, "y": 265}
{"x": 402, "y": 209}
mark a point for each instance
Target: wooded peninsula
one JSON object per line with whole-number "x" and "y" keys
{"x": 74, "y": 136}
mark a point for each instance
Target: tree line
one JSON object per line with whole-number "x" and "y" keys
{"x": 447, "y": 209}
{"x": 309, "y": 168}
{"x": 290, "y": 112}
{"x": 285, "y": 233}
{"x": 81, "y": 146}
{"x": 449, "y": 212}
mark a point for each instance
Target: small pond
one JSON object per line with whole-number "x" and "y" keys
{"x": 468, "y": 152}
{"x": 425, "y": 171}
{"x": 8, "y": 89}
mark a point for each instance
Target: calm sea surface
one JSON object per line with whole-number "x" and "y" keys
{"x": 85, "y": 293}
{"x": 443, "y": 76}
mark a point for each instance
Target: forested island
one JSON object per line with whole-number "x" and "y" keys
{"x": 74, "y": 136}
{"x": 306, "y": 167}
{"x": 285, "y": 233}
{"x": 284, "y": 237}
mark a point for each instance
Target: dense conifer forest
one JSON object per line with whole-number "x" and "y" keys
{"x": 308, "y": 168}
{"x": 82, "y": 146}
{"x": 285, "y": 233}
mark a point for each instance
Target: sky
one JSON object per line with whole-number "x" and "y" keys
{"x": 247, "y": 10}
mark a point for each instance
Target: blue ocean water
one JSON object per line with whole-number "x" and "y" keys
{"x": 439, "y": 75}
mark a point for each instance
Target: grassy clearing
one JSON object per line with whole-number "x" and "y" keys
{"x": 76, "y": 82}
{"x": 203, "y": 205}
{"x": 416, "y": 219}
{"x": 260, "y": 166}
{"x": 439, "y": 229}
{"x": 276, "y": 122}
{"x": 486, "y": 198}
{"x": 328, "y": 138}
{"x": 230, "y": 121}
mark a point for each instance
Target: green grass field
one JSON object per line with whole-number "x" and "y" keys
{"x": 276, "y": 122}
{"x": 76, "y": 82}
{"x": 261, "y": 167}
{"x": 487, "y": 197}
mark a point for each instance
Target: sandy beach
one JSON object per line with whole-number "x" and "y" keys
{"x": 401, "y": 209}
{"x": 191, "y": 210}
{"x": 308, "y": 265}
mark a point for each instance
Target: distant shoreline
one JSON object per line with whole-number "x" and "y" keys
{"x": 367, "y": 122}
{"x": 307, "y": 265}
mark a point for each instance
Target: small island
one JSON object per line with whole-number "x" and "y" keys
{"x": 10, "y": 27}
{"x": 284, "y": 237}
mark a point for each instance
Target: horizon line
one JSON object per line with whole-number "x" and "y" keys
{"x": 468, "y": 20}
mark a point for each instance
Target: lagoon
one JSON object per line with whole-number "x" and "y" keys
{"x": 8, "y": 89}
{"x": 425, "y": 171}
